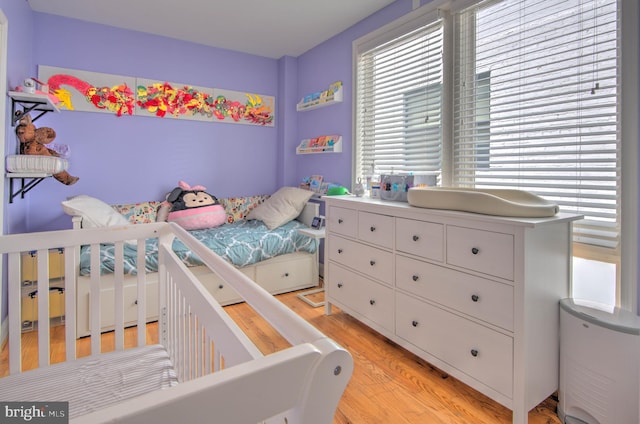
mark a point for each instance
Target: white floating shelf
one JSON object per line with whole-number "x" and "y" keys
{"x": 325, "y": 98}
{"x": 322, "y": 144}
{"x": 30, "y": 102}
{"x": 40, "y": 101}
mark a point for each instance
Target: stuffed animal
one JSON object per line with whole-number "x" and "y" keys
{"x": 194, "y": 209}
{"x": 33, "y": 141}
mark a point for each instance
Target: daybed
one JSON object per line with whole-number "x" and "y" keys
{"x": 205, "y": 369}
{"x": 280, "y": 260}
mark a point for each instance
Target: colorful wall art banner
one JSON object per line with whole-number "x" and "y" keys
{"x": 121, "y": 95}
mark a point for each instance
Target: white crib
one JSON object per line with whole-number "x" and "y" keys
{"x": 205, "y": 369}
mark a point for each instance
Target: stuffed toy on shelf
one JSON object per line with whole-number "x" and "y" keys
{"x": 33, "y": 141}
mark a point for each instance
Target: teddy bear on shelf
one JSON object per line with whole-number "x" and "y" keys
{"x": 33, "y": 141}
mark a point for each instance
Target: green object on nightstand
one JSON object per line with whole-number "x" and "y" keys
{"x": 337, "y": 191}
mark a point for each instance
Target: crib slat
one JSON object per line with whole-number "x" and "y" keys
{"x": 200, "y": 351}
{"x": 188, "y": 359}
{"x": 119, "y": 295}
{"x": 15, "y": 322}
{"x": 171, "y": 326}
{"x": 43, "y": 307}
{"x": 94, "y": 291}
{"x": 208, "y": 355}
{"x": 141, "y": 296}
{"x": 180, "y": 344}
{"x": 70, "y": 269}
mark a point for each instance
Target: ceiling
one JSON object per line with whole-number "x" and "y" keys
{"x": 271, "y": 28}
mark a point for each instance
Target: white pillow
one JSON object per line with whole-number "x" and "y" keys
{"x": 283, "y": 206}
{"x": 94, "y": 212}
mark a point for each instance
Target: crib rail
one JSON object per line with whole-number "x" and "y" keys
{"x": 216, "y": 363}
{"x": 69, "y": 241}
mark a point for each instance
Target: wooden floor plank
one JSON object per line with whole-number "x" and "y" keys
{"x": 389, "y": 384}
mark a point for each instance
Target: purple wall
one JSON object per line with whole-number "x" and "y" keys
{"x": 319, "y": 67}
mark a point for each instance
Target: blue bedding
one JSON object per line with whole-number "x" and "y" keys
{"x": 242, "y": 243}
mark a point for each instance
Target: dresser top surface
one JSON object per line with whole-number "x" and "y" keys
{"x": 403, "y": 208}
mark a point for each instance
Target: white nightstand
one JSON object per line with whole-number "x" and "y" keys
{"x": 316, "y": 234}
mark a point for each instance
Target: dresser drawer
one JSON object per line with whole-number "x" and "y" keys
{"x": 130, "y": 304}
{"x": 343, "y": 221}
{"x": 483, "y": 251}
{"x": 281, "y": 276}
{"x": 29, "y": 308}
{"x": 484, "y": 299}
{"x": 368, "y": 298}
{"x": 368, "y": 260}
{"x": 29, "y": 265}
{"x": 477, "y": 351}
{"x": 220, "y": 289}
{"x": 376, "y": 229}
{"x": 420, "y": 238}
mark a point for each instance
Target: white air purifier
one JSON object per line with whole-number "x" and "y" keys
{"x": 599, "y": 364}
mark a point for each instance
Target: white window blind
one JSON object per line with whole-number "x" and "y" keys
{"x": 398, "y": 108}
{"x": 537, "y": 105}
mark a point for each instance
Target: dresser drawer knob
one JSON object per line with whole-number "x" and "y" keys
{"x": 474, "y": 352}
{"x": 475, "y": 250}
{"x": 372, "y": 263}
{"x": 286, "y": 274}
{"x": 339, "y": 285}
{"x": 339, "y": 251}
{"x": 475, "y": 297}
{"x": 372, "y": 302}
{"x": 414, "y": 323}
{"x": 221, "y": 286}
{"x": 415, "y": 278}
{"x": 372, "y": 228}
{"x": 415, "y": 238}
{"x": 340, "y": 221}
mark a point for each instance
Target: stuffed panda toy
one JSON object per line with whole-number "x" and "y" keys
{"x": 193, "y": 208}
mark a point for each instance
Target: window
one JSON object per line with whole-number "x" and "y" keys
{"x": 399, "y": 121}
{"x": 535, "y": 95}
{"x": 553, "y": 108}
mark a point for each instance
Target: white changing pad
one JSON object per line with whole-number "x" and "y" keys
{"x": 501, "y": 202}
{"x": 92, "y": 383}
{"x": 34, "y": 163}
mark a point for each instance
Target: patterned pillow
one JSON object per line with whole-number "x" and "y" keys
{"x": 139, "y": 213}
{"x": 237, "y": 208}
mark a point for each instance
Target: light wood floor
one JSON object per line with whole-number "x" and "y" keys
{"x": 389, "y": 384}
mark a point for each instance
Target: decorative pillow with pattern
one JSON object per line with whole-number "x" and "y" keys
{"x": 237, "y": 208}
{"x": 139, "y": 213}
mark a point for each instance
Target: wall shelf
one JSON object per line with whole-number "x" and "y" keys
{"x": 322, "y": 144}
{"x": 23, "y": 103}
{"x": 321, "y": 99}
{"x": 28, "y": 180}
{"x": 30, "y": 103}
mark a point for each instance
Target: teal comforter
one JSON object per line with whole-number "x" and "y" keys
{"x": 241, "y": 243}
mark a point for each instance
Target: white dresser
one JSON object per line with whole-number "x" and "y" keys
{"x": 475, "y": 295}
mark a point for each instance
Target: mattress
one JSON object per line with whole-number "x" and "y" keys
{"x": 32, "y": 163}
{"x": 94, "y": 382}
{"x": 241, "y": 243}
